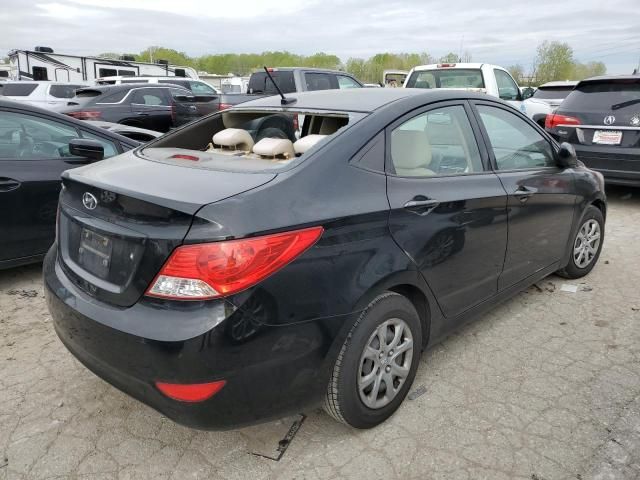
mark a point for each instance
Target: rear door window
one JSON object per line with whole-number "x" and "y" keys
{"x": 320, "y": 81}
{"x": 18, "y": 89}
{"x": 63, "y": 91}
{"x": 436, "y": 143}
{"x": 150, "y": 97}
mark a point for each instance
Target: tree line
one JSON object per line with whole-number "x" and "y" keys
{"x": 553, "y": 61}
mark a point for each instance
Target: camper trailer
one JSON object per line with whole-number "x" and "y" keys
{"x": 43, "y": 63}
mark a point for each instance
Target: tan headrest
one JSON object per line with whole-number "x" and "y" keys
{"x": 274, "y": 147}
{"x": 305, "y": 143}
{"x": 410, "y": 149}
{"x": 234, "y": 139}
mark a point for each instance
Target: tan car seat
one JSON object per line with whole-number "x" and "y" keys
{"x": 411, "y": 153}
{"x": 232, "y": 140}
{"x": 274, "y": 148}
{"x": 305, "y": 143}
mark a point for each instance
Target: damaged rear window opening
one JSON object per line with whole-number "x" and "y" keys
{"x": 249, "y": 140}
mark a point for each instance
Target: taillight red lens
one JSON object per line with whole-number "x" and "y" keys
{"x": 552, "y": 120}
{"x": 210, "y": 270}
{"x": 296, "y": 123}
{"x": 86, "y": 115}
{"x": 195, "y": 392}
{"x": 224, "y": 106}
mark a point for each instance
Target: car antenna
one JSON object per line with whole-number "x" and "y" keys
{"x": 284, "y": 100}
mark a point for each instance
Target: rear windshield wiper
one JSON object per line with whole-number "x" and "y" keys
{"x": 628, "y": 103}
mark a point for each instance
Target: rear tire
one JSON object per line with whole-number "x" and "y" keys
{"x": 369, "y": 379}
{"x": 586, "y": 245}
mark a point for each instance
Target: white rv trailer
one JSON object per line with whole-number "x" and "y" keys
{"x": 43, "y": 64}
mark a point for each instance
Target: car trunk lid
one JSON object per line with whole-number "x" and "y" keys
{"x": 120, "y": 220}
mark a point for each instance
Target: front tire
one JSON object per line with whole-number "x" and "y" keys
{"x": 586, "y": 245}
{"x": 376, "y": 364}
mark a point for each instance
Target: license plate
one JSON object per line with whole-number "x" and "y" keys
{"x": 94, "y": 253}
{"x": 607, "y": 137}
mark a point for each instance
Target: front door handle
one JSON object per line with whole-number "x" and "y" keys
{"x": 421, "y": 205}
{"x": 8, "y": 184}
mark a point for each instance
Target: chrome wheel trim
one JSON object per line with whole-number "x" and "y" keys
{"x": 587, "y": 243}
{"x": 385, "y": 363}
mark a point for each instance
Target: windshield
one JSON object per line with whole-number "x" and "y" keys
{"x": 555, "y": 93}
{"x": 604, "y": 96}
{"x": 447, "y": 78}
{"x": 249, "y": 140}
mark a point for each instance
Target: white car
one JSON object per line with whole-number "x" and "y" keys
{"x": 479, "y": 77}
{"x": 43, "y": 94}
{"x": 546, "y": 99}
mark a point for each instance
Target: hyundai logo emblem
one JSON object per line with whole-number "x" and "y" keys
{"x": 609, "y": 120}
{"x": 89, "y": 201}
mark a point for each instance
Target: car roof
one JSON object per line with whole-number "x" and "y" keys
{"x": 606, "y": 78}
{"x": 148, "y": 77}
{"x": 128, "y": 86}
{"x": 44, "y": 82}
{"x": 436, "y": 66}
{"x": 358, "y": 99}
{"x": 306, "y": 69}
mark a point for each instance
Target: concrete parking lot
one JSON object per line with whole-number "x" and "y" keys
{"x": 547, "y": 386}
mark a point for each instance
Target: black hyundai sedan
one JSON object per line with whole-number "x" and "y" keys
{"x": 225, "y": 281}
{"x": 601, "y": 119}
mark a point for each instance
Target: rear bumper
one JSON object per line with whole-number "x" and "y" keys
{"x": 269, "y": 373}
{"x": 620, "y": 166}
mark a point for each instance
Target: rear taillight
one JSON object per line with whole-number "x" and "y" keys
{"x": 552, "y": 120}
{"x": 224, "y": 106}
{"x": 194, "y": 392}
{"x": 86, "y": 115}
{"x": 210, "y": 270}
{"x": 296, "y": 123}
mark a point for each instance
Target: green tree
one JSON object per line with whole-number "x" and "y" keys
{"x": 517, "y": 72}
{"x": 554, "y": 61}
{"x": 450, "y": 58}
{"x": 153, "y": 54}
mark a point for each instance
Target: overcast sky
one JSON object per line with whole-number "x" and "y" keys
{"x": 495, "y": 31}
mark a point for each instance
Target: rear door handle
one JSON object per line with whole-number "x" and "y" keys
{"x": 8, "y": 184}
{"x": 523, "y": 193}
{"x": 421, "y": 205}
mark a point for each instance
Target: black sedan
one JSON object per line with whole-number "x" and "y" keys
{"x": 224, "y": 281}
{"x": 149, "y": 106}
{"x": 601, "y": 119}
{"x": 36, "y": 146}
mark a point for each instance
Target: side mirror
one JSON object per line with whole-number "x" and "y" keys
{"x": 527, "y": 93}
{"x": 82, "y": 147}
{"x": 567, "y": 157}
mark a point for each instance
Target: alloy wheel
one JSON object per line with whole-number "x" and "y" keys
{"x": 587, "y": 242}
{"x": 385, "y": 363}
